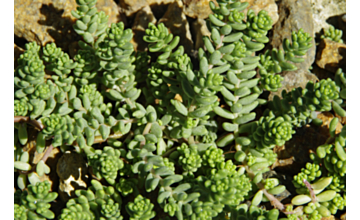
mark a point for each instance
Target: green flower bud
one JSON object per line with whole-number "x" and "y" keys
{"x": 271, "y": 131}
{"x": 310, "y": 173}
{"x": 213, "y": 156}
{"x": 20, "y": 212}
{"x": 44, "y": 91}
{"x": 54, "y": 124}
{"x": 110, "y": 210}
{"x": 326, "y": 90}
{"x": 106, "y": 163}
{"x": 77, "y": 208}
{"x": 51, "y": 52}
{"x": 141, "y": 208}
{"x": 271, "y": 82}
{"x": 36, "y": 199}
{"x": 21, "y": 107}
{"x": 125, "y": 186}
{"x": 189, "y": 158}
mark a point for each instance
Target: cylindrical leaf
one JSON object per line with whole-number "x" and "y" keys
{"x": 300, "y": 200}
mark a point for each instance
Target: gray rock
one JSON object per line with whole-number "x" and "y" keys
{"x": 45, "y": 21}
{"x": 199, "y": 29}
{"x": 268, "y": 5}
{"x": 197, "y": 9}
{"x": 129, "y": 7}
{"x": 175, "y": 20}
{"x": 324, "y": 9}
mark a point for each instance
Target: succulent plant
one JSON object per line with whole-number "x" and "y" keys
{"x": 168, "y": 135}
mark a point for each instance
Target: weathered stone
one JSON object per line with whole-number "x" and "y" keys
{"x": 197, "y": 9}
{"x": 175, "y": 20}
{"x": 268, "y": 5}
{"x": 293, "y": 15}
{"x": 199, "y": 29}
{"x": 129, "y": 7}
{"x": 331, "y": 217}
{"x": 111, "y": 9}
{"x": 331, "y": 55}
{"x": 141, "y": 22}
{"x": 72, "y": 171}
{"x": 343, "y": 216}
{"x": 45, "y": 21}
{"x": 324, "y": 9}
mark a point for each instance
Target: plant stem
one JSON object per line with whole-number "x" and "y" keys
{"x": 35, "y": 123}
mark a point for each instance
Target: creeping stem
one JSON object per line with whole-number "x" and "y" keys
{"x": 35, "y": 123}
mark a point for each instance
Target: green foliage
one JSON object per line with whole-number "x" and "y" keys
{"x": 327, "y": 195}
{"x": 190, "y": 137}
{"x": 141, "y": 208}
{"x": 270, "y": 131}
{"x": 35, "y": 202}
{"x": 189, "y": 158}
{"x": 333, "y": 34}
{"x": 97, "y": 202}
{"x": 77, "y": 208}
{"x": 243, "y": 211}
{"x": 310, "y": 173}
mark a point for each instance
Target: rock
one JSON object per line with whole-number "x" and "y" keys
{"x": 72, "y": 171}
{"x": 111, "y": 9}
{"x": 197, "y": 9}
{"x": 343, "y": 216}
{"x": 331, "y": 217}
{"x": 45, "y": 21}
{"x": 199, "y": 29}
{"x": 331, "y": 55}
{"x": 324, "y": 9}
{"x": 175, "y": 20}
{"x": 142, "y": 19}
{"x": 293, "y": 15}
{"x": 129, "y": 7}
{"x": 268, "y": 5}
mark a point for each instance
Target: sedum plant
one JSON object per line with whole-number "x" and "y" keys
{"x": 333, "y": 34}
{"x": 34, "y": 203}
{"x": 168, "y": 138}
